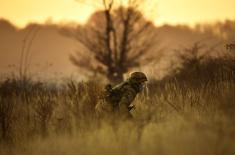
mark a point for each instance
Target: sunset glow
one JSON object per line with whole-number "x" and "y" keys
{"x": 21, "y": 12}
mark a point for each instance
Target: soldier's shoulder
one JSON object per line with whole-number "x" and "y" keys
{"x": 124, "y": 86}
{"x": 128, "y": 87}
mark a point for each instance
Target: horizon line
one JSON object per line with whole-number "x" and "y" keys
{"x": 62, "y": 22}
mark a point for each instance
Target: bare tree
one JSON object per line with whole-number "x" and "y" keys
{"x": 115, "y": 40}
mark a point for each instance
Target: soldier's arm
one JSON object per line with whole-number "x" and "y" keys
{"x": 126, "y": 100}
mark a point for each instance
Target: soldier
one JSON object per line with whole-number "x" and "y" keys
{"x": 117, "y": 100}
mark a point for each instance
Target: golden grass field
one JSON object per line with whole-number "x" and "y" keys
{"x": 170, "y": 119}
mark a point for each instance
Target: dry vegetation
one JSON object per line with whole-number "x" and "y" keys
{"x": 191, "y": 111}
{"x": 179, "y": 115}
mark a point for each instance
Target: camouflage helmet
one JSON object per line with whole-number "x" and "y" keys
{"x": 138, "y": 77}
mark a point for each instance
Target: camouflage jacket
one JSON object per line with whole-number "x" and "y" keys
{"x": 119, "y": 98}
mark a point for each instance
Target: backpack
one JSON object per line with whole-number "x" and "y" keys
{"x": 114, "y": 94}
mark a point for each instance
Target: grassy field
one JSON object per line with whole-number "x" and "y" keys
{"x": 171, "y": 118}
{"x": 191, "y": 111}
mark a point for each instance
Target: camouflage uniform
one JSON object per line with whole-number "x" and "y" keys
{"x": 117, "y": 100}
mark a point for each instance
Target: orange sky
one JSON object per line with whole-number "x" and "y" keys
{"x": 20, "y": 12}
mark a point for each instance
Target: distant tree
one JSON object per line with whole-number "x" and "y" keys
{"x": 202, "y": 63}
{"x": 116, "y": 39}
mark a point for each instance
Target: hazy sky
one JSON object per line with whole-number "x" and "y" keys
{"x": 20, "y": 12}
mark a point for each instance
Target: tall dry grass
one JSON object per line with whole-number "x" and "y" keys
{"x": 177, "y": 120}
{"x": 178, "y": 115}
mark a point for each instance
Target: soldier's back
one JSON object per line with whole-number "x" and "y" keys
{"x": 109, "y": 102}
